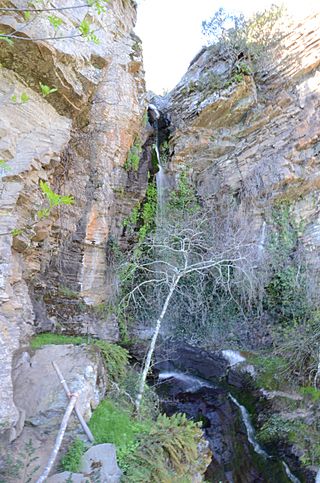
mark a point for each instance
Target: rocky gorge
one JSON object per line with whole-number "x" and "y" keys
{"x": 75, "y": 119}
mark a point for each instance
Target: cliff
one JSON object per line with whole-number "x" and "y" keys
{"x": 76, "y": 139}
{"x": 253, "y": 140}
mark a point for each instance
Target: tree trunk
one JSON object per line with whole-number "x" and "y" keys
{"x": 147, "y": 363}
{"x": 59, "y": 438}
{"x": 67, "y": 391}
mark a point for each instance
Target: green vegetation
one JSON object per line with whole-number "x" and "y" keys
{"x": 20, "y": 467}
{"x": 41, "y": 340}
{"x": 54, "y": 200}
{"x": 85, "y": 27}
{"x": 133, "y": 158}
{"x": 72, "y": 459}
{"x": 67, "y": 292}
{"x": 46, "y": 90}
{"x": 142, "y": 218}
{"x": 153, "y": 451}
{"x": 286, "y": 291}
{"x": 183, "y": 199}
{"x": 244, "y": 38}
{"x": 23, "y": 98}
{"x": 271, "y": 371}
{"x": 310, "y": 392}
{"x": 55, "y": 21}
{"x": 112, "y": 424}
{"x": 303, "y": 436}
{"x": 168, "y": 452}
{"x": 87, "y": 32}
{"x": 4, "y": 165}
{"x": 115, "y": 357}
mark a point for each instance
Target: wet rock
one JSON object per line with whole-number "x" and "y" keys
{"x": 207, "y": 365}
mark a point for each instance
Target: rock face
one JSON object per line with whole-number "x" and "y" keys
{"x": 46, "y": 402}
{"x": 256, "y": 141}
{"x": 42, "y": 402}
{"x": 76, "y": 139}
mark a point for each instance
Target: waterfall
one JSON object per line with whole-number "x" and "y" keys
{"x": 161, "y": 176}
{"x": 233, "y": 357}
{"x": 252, "y": 439}
{"x": 262, "y": 239}
{"x": 193, "y": 383}
{"x": 250, "y": 429}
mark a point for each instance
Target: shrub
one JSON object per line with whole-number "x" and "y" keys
{"x": 133, "y": 158}
{"x": 115, "y": 359}
{"x": 72, "y": 459}
{"x": 244, "y": 38}
{"x": 169, "y": 452}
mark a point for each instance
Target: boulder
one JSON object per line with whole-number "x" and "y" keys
{"x": 101, "y": 461}
{"x": 38, "y": 391}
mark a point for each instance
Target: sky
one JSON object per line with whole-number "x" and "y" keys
{"x": 171, "y": 33}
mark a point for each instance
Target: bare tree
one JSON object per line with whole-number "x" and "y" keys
{"x": 184, "y": 249}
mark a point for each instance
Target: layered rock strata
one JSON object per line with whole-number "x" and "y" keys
{"x": 76, "y": 139}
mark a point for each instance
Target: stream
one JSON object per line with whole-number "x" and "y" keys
{"x": 237, "y": 455}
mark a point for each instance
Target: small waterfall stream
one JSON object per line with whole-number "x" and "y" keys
{"x": 161, "y": 176}
{"x": 237, "y": 455}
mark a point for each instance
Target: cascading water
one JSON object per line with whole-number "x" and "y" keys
{"x": 237, "y": 455}
{"x": 252, "y": 438}
{"x": 161, "y": 176}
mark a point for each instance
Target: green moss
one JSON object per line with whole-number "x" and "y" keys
{"x": 40, "y": 340}
{"x": 115, "y": 357}
{"x": 271, "y": 371}
{"x": 112, "y": 424}
{"x": 311, "y": 393}
{"x": 72, "y": 459}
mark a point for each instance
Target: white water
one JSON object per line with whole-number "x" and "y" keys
{"x": 153, "y": 108}
{"x": 292, "y": 478}
{"x": 194, "y": 383}
{"x": 250, "y": 430}
{"x": 318, "y": 477}
{"x": 233, "y": 357}
{"x": 252, "y": 439}
{"x": 262, "y": 239}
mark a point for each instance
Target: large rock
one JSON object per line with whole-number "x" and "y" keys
{"x": 255, "y": 142}
{"x": 39, "y": 393}
{"x": 101, "y": 462}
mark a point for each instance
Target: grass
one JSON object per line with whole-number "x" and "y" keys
{"x": 72, "y": 459}
{"x": 40, "y": 340}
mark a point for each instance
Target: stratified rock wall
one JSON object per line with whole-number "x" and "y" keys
{"x": 252, "y": 142}
{"x": 76, "y": 139}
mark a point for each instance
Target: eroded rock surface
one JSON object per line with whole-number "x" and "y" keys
{"x": 254, "y": 142}
{"x": 76, "y": 139}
